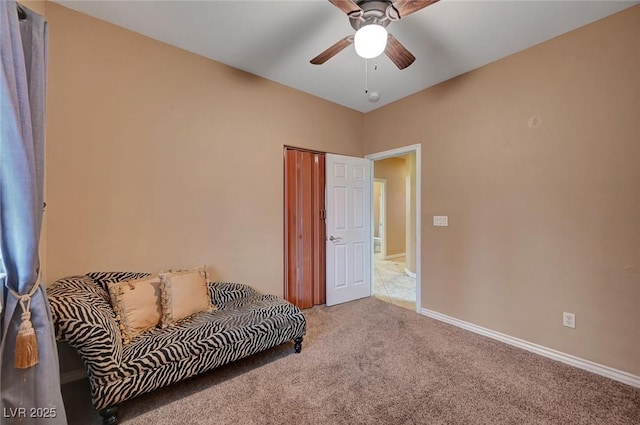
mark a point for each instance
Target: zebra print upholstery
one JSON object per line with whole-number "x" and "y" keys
{"x": 246, "y": 322}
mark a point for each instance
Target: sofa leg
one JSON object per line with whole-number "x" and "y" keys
{"x": 298, "y": 344}
{"x": 109, "y": 415}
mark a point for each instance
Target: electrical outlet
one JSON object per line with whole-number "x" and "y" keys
{"x": 440, "y": 220}
{"x": 569, "y": 320}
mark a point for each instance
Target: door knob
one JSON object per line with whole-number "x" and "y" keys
{"x": 334, "y": 238}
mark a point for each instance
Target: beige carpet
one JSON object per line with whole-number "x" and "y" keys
{"x": 370, "y": 362}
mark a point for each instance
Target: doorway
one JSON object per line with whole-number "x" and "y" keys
{"x": 396, "y": 273}
{"x": 379, "y": 216}
{"x": 305, "y": 224}
{"x": 327, "y": 255}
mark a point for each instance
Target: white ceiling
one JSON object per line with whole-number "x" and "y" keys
{"x": 276, "y": 39}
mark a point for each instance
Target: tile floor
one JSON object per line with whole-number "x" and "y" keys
{"x": 391, "y": 283}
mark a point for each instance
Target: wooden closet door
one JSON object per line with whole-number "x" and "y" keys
{"x": 304, "y": 228}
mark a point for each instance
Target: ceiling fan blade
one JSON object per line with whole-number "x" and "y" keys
{"x": 347, "y": 6}
{"x": 332, "y": 51}
{"x": 402, "y": 8}
{"x": 398, "y": 53}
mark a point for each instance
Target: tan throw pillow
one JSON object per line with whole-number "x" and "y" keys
{"x": 137, "y": 305}
{"x": 184, "y": 293}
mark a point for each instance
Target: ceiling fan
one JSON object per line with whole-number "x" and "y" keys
{"x": 370, "y": 18}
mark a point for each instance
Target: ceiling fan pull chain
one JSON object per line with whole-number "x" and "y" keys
{"x": 366, "y": 76}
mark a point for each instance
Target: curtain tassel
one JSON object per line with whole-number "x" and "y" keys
{"x": 26, "y": 342}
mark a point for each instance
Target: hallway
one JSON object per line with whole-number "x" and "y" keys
{"x": 391, "y": 283}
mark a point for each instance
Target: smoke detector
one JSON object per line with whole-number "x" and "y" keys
{"x": 374, "y": 96}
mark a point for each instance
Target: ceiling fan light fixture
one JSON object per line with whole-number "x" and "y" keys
{"x": 370, "y": 41}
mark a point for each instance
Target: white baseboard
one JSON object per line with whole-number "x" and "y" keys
{"x": 608, "y": 372}
{"x": 72, "y": 375}
{"x": 409, "y": 273}
{"x": 392, "y": 256}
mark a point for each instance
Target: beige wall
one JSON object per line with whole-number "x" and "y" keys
{"x": 38, "y": 6}
{"x": 377, "y": 193}
{"x": 159, "y": 158}
{"x": 393, "y": 171}
{"x": 535, "y": 159}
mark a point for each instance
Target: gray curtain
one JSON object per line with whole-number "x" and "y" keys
{"x": 30, "y": 394}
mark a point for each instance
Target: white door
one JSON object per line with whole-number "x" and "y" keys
{"x": 348, "y": 219}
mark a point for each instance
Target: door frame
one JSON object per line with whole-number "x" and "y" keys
{"x": 416, "y": 149}
{"x": 383, "y": 213}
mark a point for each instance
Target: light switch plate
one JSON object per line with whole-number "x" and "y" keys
{"x": 569, "y": 319}
{"x": 440, "y": 220}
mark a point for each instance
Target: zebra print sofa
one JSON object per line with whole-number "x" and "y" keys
{"x": 245, "y": 322}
